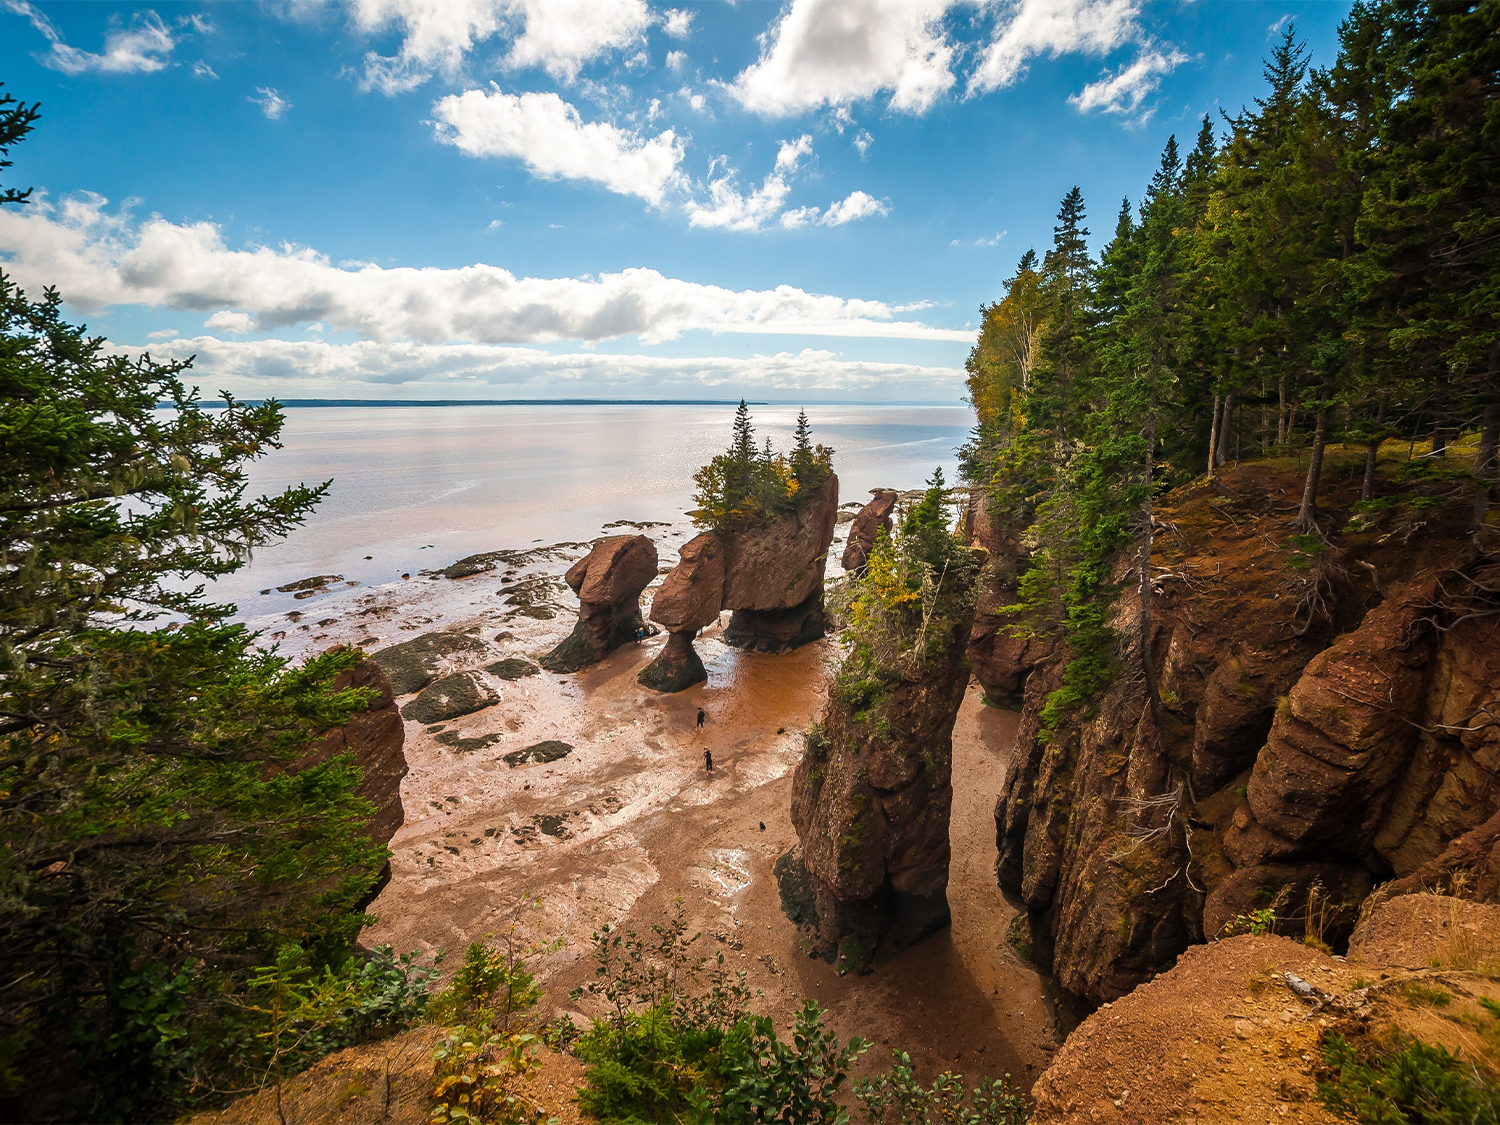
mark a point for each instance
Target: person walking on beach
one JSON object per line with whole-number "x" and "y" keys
{"x": 639, "y": 633}
{"x": 701, "y": 716}
{"x": 708, "y": 760}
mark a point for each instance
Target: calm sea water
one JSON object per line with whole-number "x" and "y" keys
{"x": 418, "y": 487}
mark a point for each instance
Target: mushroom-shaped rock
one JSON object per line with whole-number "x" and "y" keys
{"x": 608, "y": 581}
{"x": 866, "y": 528}
{"x": 693, "y": 593}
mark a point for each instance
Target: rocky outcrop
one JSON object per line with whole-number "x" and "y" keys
{"x": 1318, "y": 728}
{"x": 689, "y": 599}
{"x": 1235, "y": 1030}
{"x": 608, "y": 582}
{"x": 375, "y": 737}
{"x": 773, "y": 577}
{"x": 1469, "y": 867}
{"x": 872, "y": 519}
{"x": 871, "y": 801}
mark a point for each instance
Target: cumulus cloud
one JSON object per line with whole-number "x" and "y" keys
{"x": 677, "y": 22}
{"x": 549, "y": 136}
{"x": 272, "y": 104}
{"x": 99, "y": 258}
{"x": 319, "y": 367}
{"x": 141, "y": 48}
{"x": 226, "y": 321}
{"x": 1052, "y": 27}
{"x": 832, "y": 52}
{"x": 1123, "y": 91}
{"x": 559, "y": 36}
{"x": 676, "y": 60}
{"x": 730, "y": 209}
{"x": 856, "y": 205}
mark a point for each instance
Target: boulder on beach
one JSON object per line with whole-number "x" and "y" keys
{"x": 871, "y": 520}
{"x": 676, "y": 667}
{"x": 693, "y": 592}
{"x": 512, "y": 668}
{"x": 608, "y": 581}
{"x": 462, "y": 693}
{"x": 412, "y": 665}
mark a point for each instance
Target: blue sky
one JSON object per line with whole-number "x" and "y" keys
{"x": 589, "y": 198}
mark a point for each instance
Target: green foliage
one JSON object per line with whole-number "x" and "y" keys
{"x": 490, "y": 987}
{"x": 762, "y": 1078}
{"x": 897, "y": 1098}
{"x": 902, "y": 613}
{"x": 476, "y": 1073}
{"x": 1257, "y": 922}
{"x": 744, "y": 485}
{"x": 1405, "y": 1080}
{"x": 160, "y": 842}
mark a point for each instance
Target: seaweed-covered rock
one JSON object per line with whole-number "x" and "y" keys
{"x": 512, "y": 668}
{"x": 608, "y": 582}
{"x": 412, "y": 665}
{"x": 550, "y": 751}
{"x": 676, "y": 667}
{"x": 462, "y": 693}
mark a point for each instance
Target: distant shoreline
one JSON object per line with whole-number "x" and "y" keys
{"x": 481, "y": 402}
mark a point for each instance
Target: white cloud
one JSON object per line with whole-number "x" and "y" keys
{"x": 98, "y": 258}
{"x": 560, "y": 36}
{"x": 226, "y": 321}
{"x": 677, "y": 22}
{"x": 993, "y": 240}
{"x": 272, "y": 104}
{"x": 202, "y": 70}
{"x": 833, "y": 52}
{"x": 1123, "y": 92}
{"x": 857, "y": 205}
{"x": 138, "y": 49}
{"x": 676, "y": 60}
{"x": 477, "y": 370}
{"x": 863, "y": 141}
{"x": 552, "y": 140}
{"x": 730, "y": 209}
{"x": 1052, "y": 27}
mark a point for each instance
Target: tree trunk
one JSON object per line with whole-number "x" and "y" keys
{"x": 1307, "y": 516}
{"x": 1484, "y": 463}
{"x": 1148, "y": 664}
{"x": 1225, "y": 419}
{"x": 1440, "y": 417}
{"x": 1281, "y": 412}
{"x": 1372, "y": 452}
{"x": 1213, "y": 437}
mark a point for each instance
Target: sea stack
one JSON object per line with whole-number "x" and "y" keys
{"x": 608, "y": 582}
{"x": 872, "y": 519}
{"x": 774, "y": 575}
{"x": 689, "y": 599}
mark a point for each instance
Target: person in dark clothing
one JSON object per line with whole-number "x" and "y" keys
{"x": 708, "y": 760}
{"x": 639, "y": 633}
{"x": 701, "y": 716}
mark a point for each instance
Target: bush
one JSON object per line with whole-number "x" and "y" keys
{"x": 1405, "y": 1080}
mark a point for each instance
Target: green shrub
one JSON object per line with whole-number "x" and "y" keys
{"x": 1405, "y": 1080}
{"x": 896, "y": 1097}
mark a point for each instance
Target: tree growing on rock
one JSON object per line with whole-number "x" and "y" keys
{"x": 746, "y": 485}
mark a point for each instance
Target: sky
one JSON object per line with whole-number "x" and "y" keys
{"x": 418, "y": 199}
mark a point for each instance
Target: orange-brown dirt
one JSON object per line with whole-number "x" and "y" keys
{"x": 1221, "y": 1037}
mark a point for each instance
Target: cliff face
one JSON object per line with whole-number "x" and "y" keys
{"x": 375, "y": 737}
{"x": 1314, "y": 732}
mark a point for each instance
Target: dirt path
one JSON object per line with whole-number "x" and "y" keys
{"x": 629, "y": 822}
